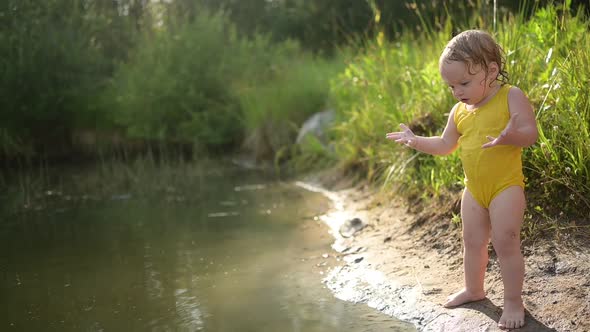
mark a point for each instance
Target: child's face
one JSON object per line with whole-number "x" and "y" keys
{"x": 466, "y": 87}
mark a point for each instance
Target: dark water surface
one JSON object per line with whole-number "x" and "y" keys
{"x": 227, "y": 250}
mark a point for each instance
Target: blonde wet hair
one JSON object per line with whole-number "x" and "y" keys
{"x": 475, "y": 48}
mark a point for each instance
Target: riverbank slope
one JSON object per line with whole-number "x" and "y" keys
{"x": 406, "y": 264}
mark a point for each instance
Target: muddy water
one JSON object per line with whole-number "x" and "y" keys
{"x": 237, "y": 252}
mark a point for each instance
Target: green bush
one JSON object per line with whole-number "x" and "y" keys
{"x": 50, "y": 68}
{"x": 389, "y": 83}
{"x": 275, "y": 108}
{"x": 549, "y": 59}
{"x": 177, "y": 87}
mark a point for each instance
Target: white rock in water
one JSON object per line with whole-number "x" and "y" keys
{"x": 316, "y": 125}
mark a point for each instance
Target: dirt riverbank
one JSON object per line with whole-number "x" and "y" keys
{"x": 406, "y": 264}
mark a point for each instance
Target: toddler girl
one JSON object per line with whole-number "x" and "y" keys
{"x": 491, "y": 123}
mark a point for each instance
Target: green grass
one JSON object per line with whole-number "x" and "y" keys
{"x": 47, "y": 188}
{"x": 211, "y": 87}
{"x": 274, "y": 109}
{"x": 390, "y": 83}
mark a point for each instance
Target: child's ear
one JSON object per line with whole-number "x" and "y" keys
{"x": 493, "y": 69}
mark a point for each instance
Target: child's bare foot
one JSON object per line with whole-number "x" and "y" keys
{"x": 463, "y": 296}
{"x": 512, "y": 315}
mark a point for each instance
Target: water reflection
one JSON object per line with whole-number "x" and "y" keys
{"x": 247, "y": 259}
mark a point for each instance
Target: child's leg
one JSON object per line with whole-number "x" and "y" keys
{"x": 506, "y": 215}
{"x": 476, "y": 236}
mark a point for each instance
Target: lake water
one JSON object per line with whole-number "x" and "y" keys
{"x": 223, "y": 250}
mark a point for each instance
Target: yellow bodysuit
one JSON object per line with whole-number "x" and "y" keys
{"x": 491, "y": 170}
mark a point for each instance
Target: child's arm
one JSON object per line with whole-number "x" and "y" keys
{"x": 437, "y": 145}
{"x": 522, "y": 127}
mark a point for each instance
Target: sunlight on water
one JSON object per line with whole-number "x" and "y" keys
{"x": 249, "y": 255}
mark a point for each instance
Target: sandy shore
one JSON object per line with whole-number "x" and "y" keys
{"x": 406, "y": 264}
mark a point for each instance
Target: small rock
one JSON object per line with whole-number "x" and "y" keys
{"x": 350, "y": 227}
{"x": 432, "y": 291}
{"x": 564, "y": 267}
{"x": 358, "y": 260}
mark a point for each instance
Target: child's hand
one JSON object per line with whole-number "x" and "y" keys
{"x": 502, "y": 139}
{"x": 406, "y": 136}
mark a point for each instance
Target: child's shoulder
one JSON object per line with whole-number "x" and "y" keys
{"x": 515, "y": 93}
{"x": 518, "y": 101}
{"x": 512, "y": 88}
{"x": 456, "y": 110}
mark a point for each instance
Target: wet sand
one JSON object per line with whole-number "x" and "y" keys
{"x": 406, "y": 264}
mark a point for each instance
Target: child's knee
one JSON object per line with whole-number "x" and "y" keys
{"x": 506, "y": 243}
{"x": 475, "y": 243}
